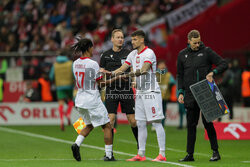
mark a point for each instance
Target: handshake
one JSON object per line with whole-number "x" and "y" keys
{"x": 121, "y": 74}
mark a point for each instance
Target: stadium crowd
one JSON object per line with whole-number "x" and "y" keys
{"x": 36, "y": 25}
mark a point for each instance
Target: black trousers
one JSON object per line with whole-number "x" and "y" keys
{"x": 193, "y": 114}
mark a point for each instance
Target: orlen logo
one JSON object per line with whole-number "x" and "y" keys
{"x": 4, "y": 109}
{"x": 231, "y": 128}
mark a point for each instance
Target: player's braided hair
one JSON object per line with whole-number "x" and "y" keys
{"x": 82, "y": 45}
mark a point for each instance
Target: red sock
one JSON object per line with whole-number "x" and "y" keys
{"x": 61, "y": 113}
{"x": 69, "y": 109}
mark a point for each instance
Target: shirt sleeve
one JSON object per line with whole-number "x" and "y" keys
{"x": 150, "y": 58}
{"x": 98, "y": 74}
{"x": 102, "y": 61}
{"x": 129, "y": 59}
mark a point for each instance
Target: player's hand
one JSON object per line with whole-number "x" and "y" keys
{"x": 137, "y": 72}
{"x": 209, "y": 76}
{"x": 181, "y": 99}
{"x": 105, "y": 71}
{"x": 131, "y": 74}
{"x": 124, "y": 77}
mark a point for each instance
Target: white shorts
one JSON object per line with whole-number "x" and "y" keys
{"x": 95, "y": 116}
{"x": 148, "y": 107}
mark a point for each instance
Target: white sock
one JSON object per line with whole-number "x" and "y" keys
{"x": 79, "y": 140}
{"x": 142, "y": 137}
{"x": 108, "y": 150}
{"x": 161, "y": 138}
{"x": 141, "y": 153}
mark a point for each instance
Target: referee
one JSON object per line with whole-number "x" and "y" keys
{"x": 120, "y": 91}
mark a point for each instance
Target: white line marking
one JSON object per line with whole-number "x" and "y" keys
{"x": 37, "y": 159}
{"x": 167, "y": 148}
{"x": 83, "y": 145}
{"x": 170, "y": 149}
{"x": 245, "y": 161}
{"x": 11, "y": 160}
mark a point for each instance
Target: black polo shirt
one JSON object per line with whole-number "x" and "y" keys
{"x": 111, "y": 61}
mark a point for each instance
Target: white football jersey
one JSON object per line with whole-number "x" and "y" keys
{"x": 148, "y": 82}
{"x": 86, "y": 72}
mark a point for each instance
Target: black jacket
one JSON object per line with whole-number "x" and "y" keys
{"x": 111, "y": 61}
{"x": 193, "y": 66}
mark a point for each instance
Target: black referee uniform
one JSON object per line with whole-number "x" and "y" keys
{"x": 119, "y": 91}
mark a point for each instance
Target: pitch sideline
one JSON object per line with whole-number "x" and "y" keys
{"x": 83, "y": 145}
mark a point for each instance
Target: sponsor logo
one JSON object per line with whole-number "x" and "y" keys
{"x": 5, "y": 109}
{"x": 232, "y": 128}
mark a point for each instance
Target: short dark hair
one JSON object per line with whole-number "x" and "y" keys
{"x": 82, "y": 45}
{"x": 193, "y": 34}
{"x": 140, "y": 33}
{"x": 161, "y": 61}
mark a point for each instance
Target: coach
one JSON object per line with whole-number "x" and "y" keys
{"x": 195, "y": 64}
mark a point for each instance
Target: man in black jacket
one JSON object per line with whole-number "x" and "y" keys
{"x": 195, "y": 64}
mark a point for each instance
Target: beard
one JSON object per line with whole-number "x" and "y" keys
{"x": 135, "y": 47}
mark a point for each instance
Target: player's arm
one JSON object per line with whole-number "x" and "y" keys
{"x": 102, "y": 83}
{"x": 120, "y": 70}
{"x": 145, "y": 67}
{"x": 102, "y": 70}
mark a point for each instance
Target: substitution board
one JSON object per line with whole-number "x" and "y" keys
{"x": 209, "y": 99}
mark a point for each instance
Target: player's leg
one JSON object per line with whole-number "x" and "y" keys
{"x": 83, "y": 134}
{"x": 128, "y": 107}
{"x": 108, "y": 142}
{"x": 70, "y": 104}
{"x": 140, "y": 118}
{"x": 161, "y": 138}
{"x": 154, "y": 114}
{"x": 61, "y": 112}
{"x": 111, "y": 103}
{"x": 99, "y": 117}
{"x": 134, "y": 128}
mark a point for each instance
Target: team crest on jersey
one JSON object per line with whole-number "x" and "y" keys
{"x": 200, "y": 54}
{"x": 111, "y": 56}
{"x": 137, "y": 59}
{"x": 186, "y": 56}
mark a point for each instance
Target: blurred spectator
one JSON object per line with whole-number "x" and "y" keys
{"x": 237, "y": 80}
{"x": 148, "y": 16}
{"x": 61, "y": 73}
{"x": 44, "y": 88}
{"x": 245, "y": 88}
{"x": 24, "y": 19}
{"x": 31, "y": 94}
{"x": 1, "y": 89}
{"x": 226, "y": 86}
{"x": 166, "y": 81}
{"x": 3, "y": 67}
{"x": 182, "y": 112}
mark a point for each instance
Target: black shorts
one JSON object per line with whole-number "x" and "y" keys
{"x": 125, "y": 97}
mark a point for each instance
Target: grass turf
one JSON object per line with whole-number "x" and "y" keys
{"x": 23, "y": 150}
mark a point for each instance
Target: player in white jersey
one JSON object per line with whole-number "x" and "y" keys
{"x": 88, "y": 101}
{"x": 148, "y": 102}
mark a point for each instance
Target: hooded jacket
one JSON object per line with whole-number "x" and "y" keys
{"x": 193, "y": 66}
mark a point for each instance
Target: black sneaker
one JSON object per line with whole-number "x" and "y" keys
{"x": 105, "y": 158}
{"x": 215, "y": 157}
{"x": 188, "y": 157}
{"x": 76, "y": 152}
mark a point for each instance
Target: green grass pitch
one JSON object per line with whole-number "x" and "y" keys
{"x": 45, "y": 146}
